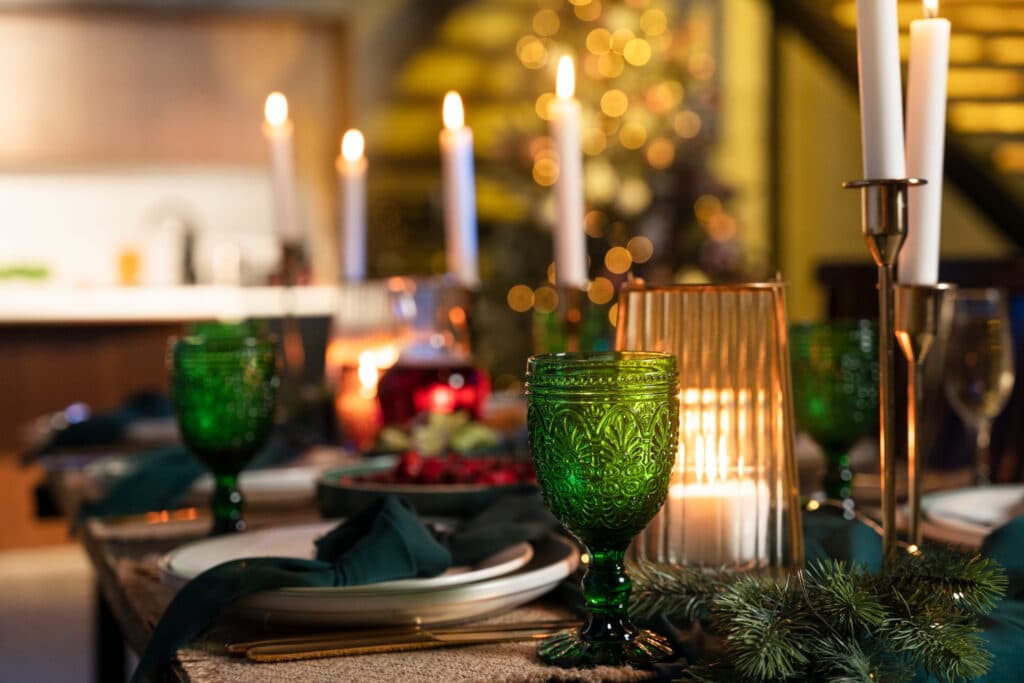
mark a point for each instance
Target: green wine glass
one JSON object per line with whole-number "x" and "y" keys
{"x": 835, "y": 392}
{"x": 224, "y": 388}
{"x": 603, "y": 430}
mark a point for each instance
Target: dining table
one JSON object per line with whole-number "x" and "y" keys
{"x": 125, "y": 554}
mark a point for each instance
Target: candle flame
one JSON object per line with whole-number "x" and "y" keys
{"x": 565, "y": 82}
{"x": 451, "y": 112}
{"x": 352, "y": 145}
{"x": 276, "y": 109}
{"x": 931, "y": 9}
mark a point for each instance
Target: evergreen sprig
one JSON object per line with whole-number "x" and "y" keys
{"x": 833, "y": 621}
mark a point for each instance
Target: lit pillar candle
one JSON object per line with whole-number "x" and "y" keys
{"x": 351, "y": 166}
{"x": 278, "y": 131}
{"x": 881, "y": 96}
{"x": 459, "y": 193}
{"x": 926, "y": 136}
{"x": 570, "y": 238}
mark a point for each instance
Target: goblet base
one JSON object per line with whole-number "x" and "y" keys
{"x": 571, "y": 649}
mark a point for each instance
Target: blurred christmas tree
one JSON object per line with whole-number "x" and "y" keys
{"x": 646, "y": 79}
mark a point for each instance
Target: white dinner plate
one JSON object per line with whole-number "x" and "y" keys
{"x": 972, "y": 512}
{"x": 190, "y": 560}
{"x": 480, "y": 591}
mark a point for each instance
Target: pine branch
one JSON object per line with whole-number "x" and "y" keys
{"x": 767, "y": 634}
{"x": 675, "y": 592}
{"x": 949, "y": 650}
{"x": 835, "y": 622}
{"x": 970, "y": 583}
{"x": 841, "y": 597}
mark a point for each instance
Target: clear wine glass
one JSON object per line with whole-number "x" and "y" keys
{"x": 979, "y": 371}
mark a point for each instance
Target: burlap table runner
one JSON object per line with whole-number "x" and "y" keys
{"x": 512, "y": 662}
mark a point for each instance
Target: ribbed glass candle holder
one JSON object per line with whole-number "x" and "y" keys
{"x": 733, "y": 495}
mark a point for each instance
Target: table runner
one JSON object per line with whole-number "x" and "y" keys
{"x": 511, "y": 662}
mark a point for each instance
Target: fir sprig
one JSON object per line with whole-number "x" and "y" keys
{"x": 835, "y": 622}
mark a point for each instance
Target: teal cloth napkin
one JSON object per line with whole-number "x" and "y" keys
{"x": 383, "y": 542}
{"x": 161, "y": 479}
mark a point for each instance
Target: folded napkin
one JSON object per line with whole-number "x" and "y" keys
{"x": 161, "y": 478}
{"x": 385, "y": 541}
{"x": 110, "y": 428}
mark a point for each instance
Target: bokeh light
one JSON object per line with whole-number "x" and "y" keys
{"x": 618, "y": 260}
{"x": 637, "y": 52}
{"x": 543, "y": 105}
{"x": 661, "y": 152}
{"x": 591, "y": 11}
{"x": 620, "y": 39}
{"x": 545, "y": 299}
{"x": 520, "y": 298}
{"x": 599, "y": 41}
{"x": 601, "y": 290}
{"x": 633, "y": 135}
{"x": 545, "y": 171}
{"x": 613, "y": 315}
{"x": 634, "y": 196}
{"x": 640, "y": 248}
{"x": 653, "y": 22}
{"x": 614, "y": 103}
{"x": 687, "y": 124}
{"x": 532, "y": 52}
{"x": 610, "y": 64}
{"x": 545, "y": 22}
{"x": 706, "y": 206}
{"x": 594, "y": 223}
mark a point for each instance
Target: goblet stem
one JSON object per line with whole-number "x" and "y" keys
{"x": 982, "y": 454}
{"x": 608, "y": 637}
{"x": 227, "y": 505}
{"x": 606, "y": 589}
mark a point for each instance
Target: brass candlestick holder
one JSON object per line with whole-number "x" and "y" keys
{"x": 920, "y": 313}
{"x": 884, "y": 224}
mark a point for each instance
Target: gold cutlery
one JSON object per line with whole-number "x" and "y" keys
{"x": 391, "y": 640}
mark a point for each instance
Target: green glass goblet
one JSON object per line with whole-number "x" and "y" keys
{"x": 224, "y": 389}
{"x": 835, "y": 391}
{"x": 603, "y": 429}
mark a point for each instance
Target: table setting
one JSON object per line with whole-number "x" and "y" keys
{"x": 634, "y": 507}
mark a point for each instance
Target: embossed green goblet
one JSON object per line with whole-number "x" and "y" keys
{"x": 224, "y": 388}
{"x": 603, "y": 431}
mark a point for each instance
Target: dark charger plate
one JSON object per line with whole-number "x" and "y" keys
{"x": 436, "y": 500}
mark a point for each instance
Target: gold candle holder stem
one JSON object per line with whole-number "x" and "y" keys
{"x": 884, "y": 224}
{"x": 920, "y": 312}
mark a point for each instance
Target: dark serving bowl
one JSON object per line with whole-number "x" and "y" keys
{"x": 338, "y": 499}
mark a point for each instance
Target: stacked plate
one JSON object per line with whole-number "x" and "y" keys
{"x": 507, "y": 579}
{"x": 966, "y": 516}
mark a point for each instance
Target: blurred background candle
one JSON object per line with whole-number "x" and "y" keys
{"x": 881, "y": 95}
{"x": 278, "y": 129}
{"x": 351, "y": 167}
{"x": 926, "y": 138}
{"x": 570, "y": 239}
{"x": 459, "y": 193}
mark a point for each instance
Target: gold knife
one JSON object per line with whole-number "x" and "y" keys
{"x": 422, "y": 640}
{"x": 310, "y": 639}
